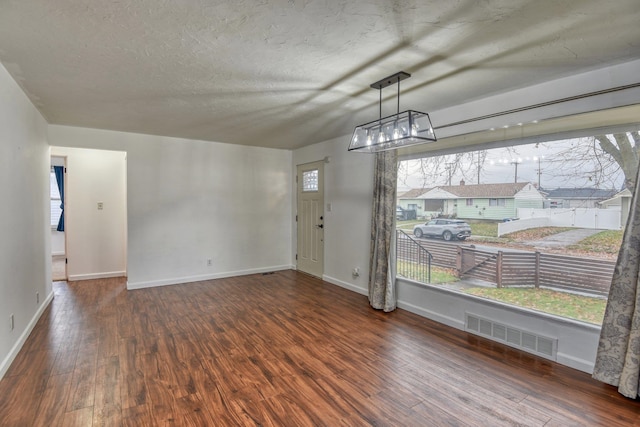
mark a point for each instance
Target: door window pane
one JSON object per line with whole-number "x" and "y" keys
{"x": 310, "y": 180}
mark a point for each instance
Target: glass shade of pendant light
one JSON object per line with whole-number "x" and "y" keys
{"x": 399, "y": 130}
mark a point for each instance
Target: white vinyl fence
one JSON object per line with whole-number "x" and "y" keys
{"x": 601, "y": 219}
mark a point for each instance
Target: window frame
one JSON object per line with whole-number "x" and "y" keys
{"x": 53, "y": 200}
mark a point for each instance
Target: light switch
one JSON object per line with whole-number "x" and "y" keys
{"x": 328, "y": 207}
{"x": 100, "y": 206}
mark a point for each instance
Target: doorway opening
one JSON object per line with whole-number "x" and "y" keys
{"x": 310, "y": 218}
{"x": 58, "y": 237}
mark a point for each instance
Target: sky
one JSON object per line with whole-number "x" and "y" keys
{"x": 568, "y": 163}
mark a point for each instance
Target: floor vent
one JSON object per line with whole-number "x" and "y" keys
{"x": 524, "y": 340}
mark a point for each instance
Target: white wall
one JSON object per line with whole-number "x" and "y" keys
{"x": 96, "y": 239}
{"x": 348, "y": 187}
{"x": 577, "y": 342}
{"x": 25, "y": 254}
{"x": 57, "y": 242}
{"x": 189, "y": 201}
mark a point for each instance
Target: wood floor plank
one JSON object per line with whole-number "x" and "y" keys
{"x": 52, "y": 408}
{"x": 78, "y": 418}
{"x": 276, "y": 350}
{"x": 132, "y": 387}
{"x": 107, "y": 402}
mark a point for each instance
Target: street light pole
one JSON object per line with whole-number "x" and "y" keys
{"x": 515, "y": 163}
{"x": 539, "y": 169}
{"x": 449, "y": 167}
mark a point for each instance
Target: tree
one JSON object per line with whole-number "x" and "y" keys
{"x": 598, "y": 162}
{"x": 600, "y": 159}
{"x": 624, "y": 149}
{"x": 441, "y": 170}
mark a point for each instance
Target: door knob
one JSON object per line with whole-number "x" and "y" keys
{"x": 320, "y": 225}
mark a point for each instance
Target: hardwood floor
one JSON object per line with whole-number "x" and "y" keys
{"x": 280, "y": 349}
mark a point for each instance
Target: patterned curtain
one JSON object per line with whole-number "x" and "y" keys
{"x": 618, "y": 357}
{"x": 382, "y": 294}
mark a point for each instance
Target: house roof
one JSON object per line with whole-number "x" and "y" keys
{"x": 414, "y": 193}
{"x": 485, "y": 190}
{"x": 617, "y": 198}
{"x": 581, "y": 193}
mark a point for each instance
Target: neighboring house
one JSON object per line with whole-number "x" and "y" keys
{"x": 577, "y": 197}
{"x": 428, "y": 202}
{"x": 441, "y": 201}
{"x": 483, "y": 201}
{"x": 620, "y": 201}
{"x": 495, "y": 201}
{"x": 410, "y": 201}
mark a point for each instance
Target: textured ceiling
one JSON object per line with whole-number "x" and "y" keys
{"x": 285, "y": 74}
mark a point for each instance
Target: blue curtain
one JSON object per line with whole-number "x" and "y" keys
{"x": 59, "y": 171}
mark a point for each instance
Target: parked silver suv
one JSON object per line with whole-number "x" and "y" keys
{"x": 446, "y": 228}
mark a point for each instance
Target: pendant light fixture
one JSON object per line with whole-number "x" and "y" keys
{"x": 399, "y": 130}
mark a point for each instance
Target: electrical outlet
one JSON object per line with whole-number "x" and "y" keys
{"x": 355, "y": 272}
{"x": 11, "y": 322}
{"x": 100, "y": 206}
{"x": 209, "y": 262}
{"x": 37, "y": 297}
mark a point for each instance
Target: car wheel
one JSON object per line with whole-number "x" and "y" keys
{"x": 417, "y": 232}
{"x": 447, "y": 235}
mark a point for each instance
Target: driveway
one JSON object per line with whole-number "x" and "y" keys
{"x": 563, "y": 239}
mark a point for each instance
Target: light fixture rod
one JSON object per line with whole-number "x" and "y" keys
{"x": 388, "y": 81}
{"x": 398, "y": 111}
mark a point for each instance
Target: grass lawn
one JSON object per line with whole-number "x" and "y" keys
{"x": 488, "y": 229}
{"x": 607, "y": 242}
{"x": 417, "y": 272}
{"x": 535, "y": 233}
{"x": 408, "y": 225}
{"x": 586, "y": 309}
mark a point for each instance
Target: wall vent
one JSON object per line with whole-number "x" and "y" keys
{"x": 533, "y": 343}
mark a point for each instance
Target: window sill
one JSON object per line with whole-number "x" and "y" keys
{"x": 504, "y": 306}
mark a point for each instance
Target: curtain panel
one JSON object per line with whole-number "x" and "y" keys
{"x": 382, "y": 294}
{"x": 618, "y": 357}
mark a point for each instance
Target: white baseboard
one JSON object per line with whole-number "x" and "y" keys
{"x": 575, "y": 363}
{"x": 105, "y": 275}
{"x": 345, "y": 285}
{"x": 199, "y": 278}
{"x": 432, "y": 315}
{"x": 4, "y": 366}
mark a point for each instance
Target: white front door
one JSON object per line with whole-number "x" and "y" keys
{"x": 310, "y": 217}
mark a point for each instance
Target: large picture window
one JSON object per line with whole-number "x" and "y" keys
{"x": 523, "y": 205}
